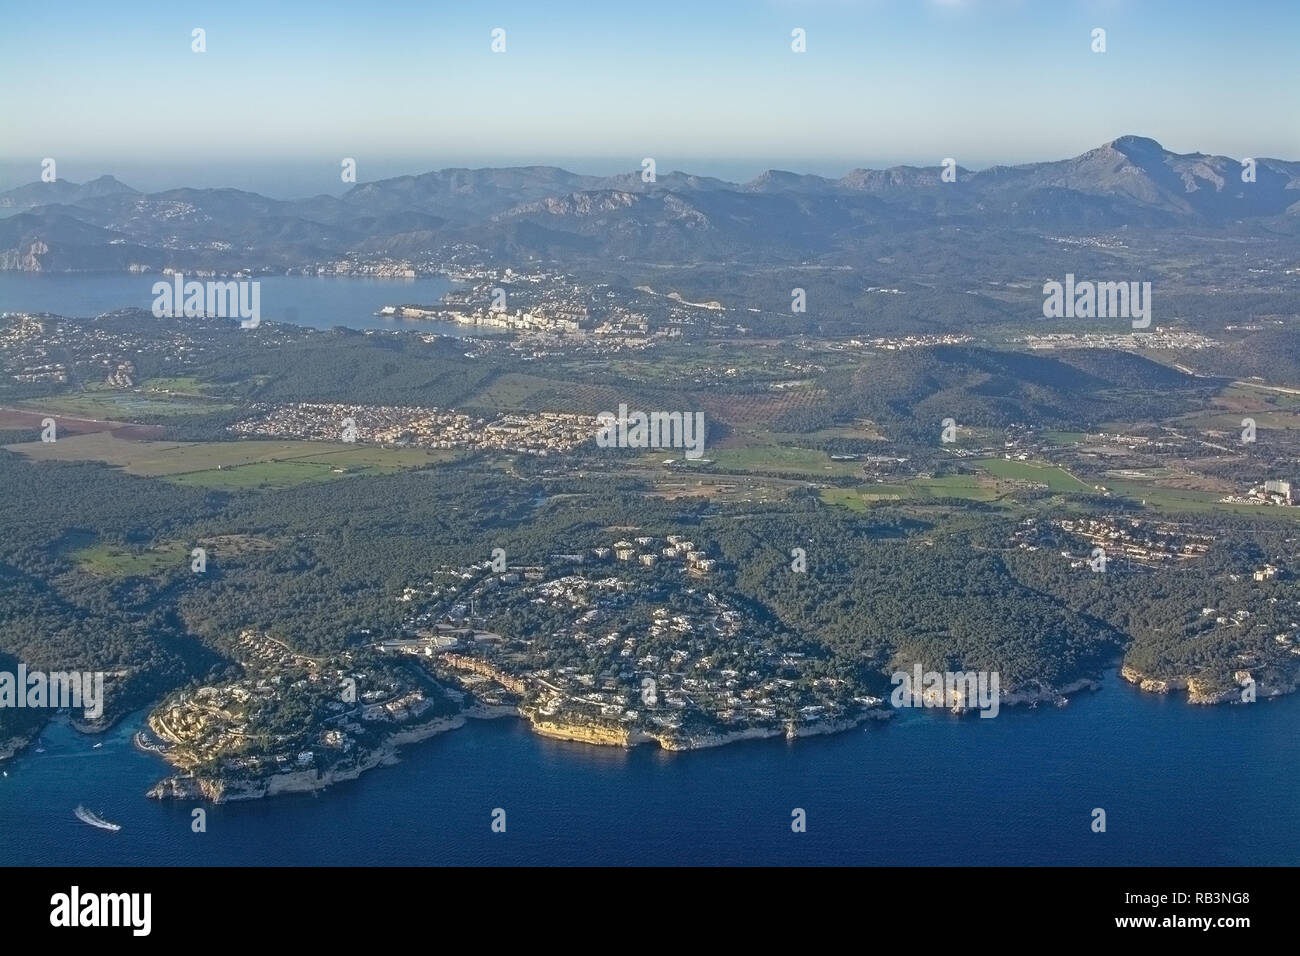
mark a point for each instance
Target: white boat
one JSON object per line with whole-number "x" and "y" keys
{"x": 96, "y": 747}
{"x": 94, "y": 819}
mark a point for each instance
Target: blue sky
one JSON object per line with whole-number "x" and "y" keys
{"x": 708, "y": 86}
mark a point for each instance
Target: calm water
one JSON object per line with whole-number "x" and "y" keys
{"x": 1180, "y": 785}
{"x": 319, "y": 303}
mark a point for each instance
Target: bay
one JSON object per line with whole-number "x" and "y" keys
{"x": 316, "y": 302}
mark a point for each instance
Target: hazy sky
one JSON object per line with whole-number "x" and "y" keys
{"x": 707, "y": 85}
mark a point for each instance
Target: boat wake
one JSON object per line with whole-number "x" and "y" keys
{"x": 94, "y": 819}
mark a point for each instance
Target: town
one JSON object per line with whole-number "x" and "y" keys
{"x": 628, "y": 642}
{"x": 247, "y": 738}
{"x": 541, "y": 433}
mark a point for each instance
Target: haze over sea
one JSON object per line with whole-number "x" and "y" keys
{"x": 317, "y": 302}
{"x": 1181, "y": 785}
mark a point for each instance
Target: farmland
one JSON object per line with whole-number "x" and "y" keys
{"x": 129, "y": 405}
{"x": 970, "y": 487}
{"x": 235, "y": 464}
{"x": 1056, "y": 479}
{"x": 110, "y": 560}
{"x": 782, "y": 459}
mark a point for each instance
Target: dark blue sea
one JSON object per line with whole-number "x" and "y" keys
{"x": 1179, "y": 784}
{"x": 319, "y": 303}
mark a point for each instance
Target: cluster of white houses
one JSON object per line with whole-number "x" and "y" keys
{"x": 677, "y": 549}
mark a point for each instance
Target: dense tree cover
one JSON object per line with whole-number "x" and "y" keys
{"x": 941, "y": 586}
{"x": 909, "y": 393}
{"x": 322, "y": 566}
{"x": 55, "y": 617}
{"x": 935, "y": 272}
{"x": 1272, "y": 354}
{"x": 343, "y": 366}
{"x": 1171, "y": 615}
{"x": 885, "y": 597}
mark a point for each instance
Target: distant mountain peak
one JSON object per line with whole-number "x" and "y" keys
{"x": 104, "y": 186}
{"x": 550, "y": 213}
{"x": 778, "y": 175}
{"x": 1131, "y": 144}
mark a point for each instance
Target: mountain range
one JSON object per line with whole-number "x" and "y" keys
{"x": 547, "y": 213}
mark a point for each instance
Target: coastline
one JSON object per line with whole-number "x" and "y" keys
{"x": 185, "y": 786}
{"x": 579, "y": 733}
{"x": 182, "y": 786}
{"x": 16, "y": 744}
{"x": 1200, "y": 691}
{"x": 13, "y": 746}
{"x": 191, "y": 787}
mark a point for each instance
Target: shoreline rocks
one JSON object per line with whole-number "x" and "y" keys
{"x": 1200, "y": 691}
{"x": 189, "y": 787}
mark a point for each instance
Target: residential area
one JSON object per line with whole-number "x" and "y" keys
{"x": 628, "y": 637}
{"x": 538, "y": 433}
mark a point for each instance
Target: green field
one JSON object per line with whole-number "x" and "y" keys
{"x": 654, "y": 369}
{"x": 1065, "y": 438}
{"x": 782, "y": 459}
{"x": 1230, "y": 422}
{"x": 510, "y": 392}
{"x": 107, "y": 404}
{"x": 1057, "y": 479}
{"x": 955, "y": 486}
{"x": 287, "y": 472}
{"x": 860, "y": 499}
{"x": 116, "y": 561}
{"x": 1249, "y": 391}
{"x": 863, "y": 497}
{"x": 266, "y": 475}
{"x": 514, "y": 391}
{"x": 864, "y": 431}
{"x": 1181, "y": 499}
{"x": 182, "y": 385}
{"x": 234, "y": 464}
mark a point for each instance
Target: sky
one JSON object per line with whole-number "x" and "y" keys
{"x": 286, "y": 90}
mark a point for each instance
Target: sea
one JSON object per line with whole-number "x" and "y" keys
{"x": 1179, "y": 784}
{"x": 316, "y": 302}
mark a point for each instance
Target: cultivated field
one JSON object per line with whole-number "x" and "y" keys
{"x": 233, "y": 464}
{"x": 112, "y": 403}
{"x": 1057, "y": 479}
